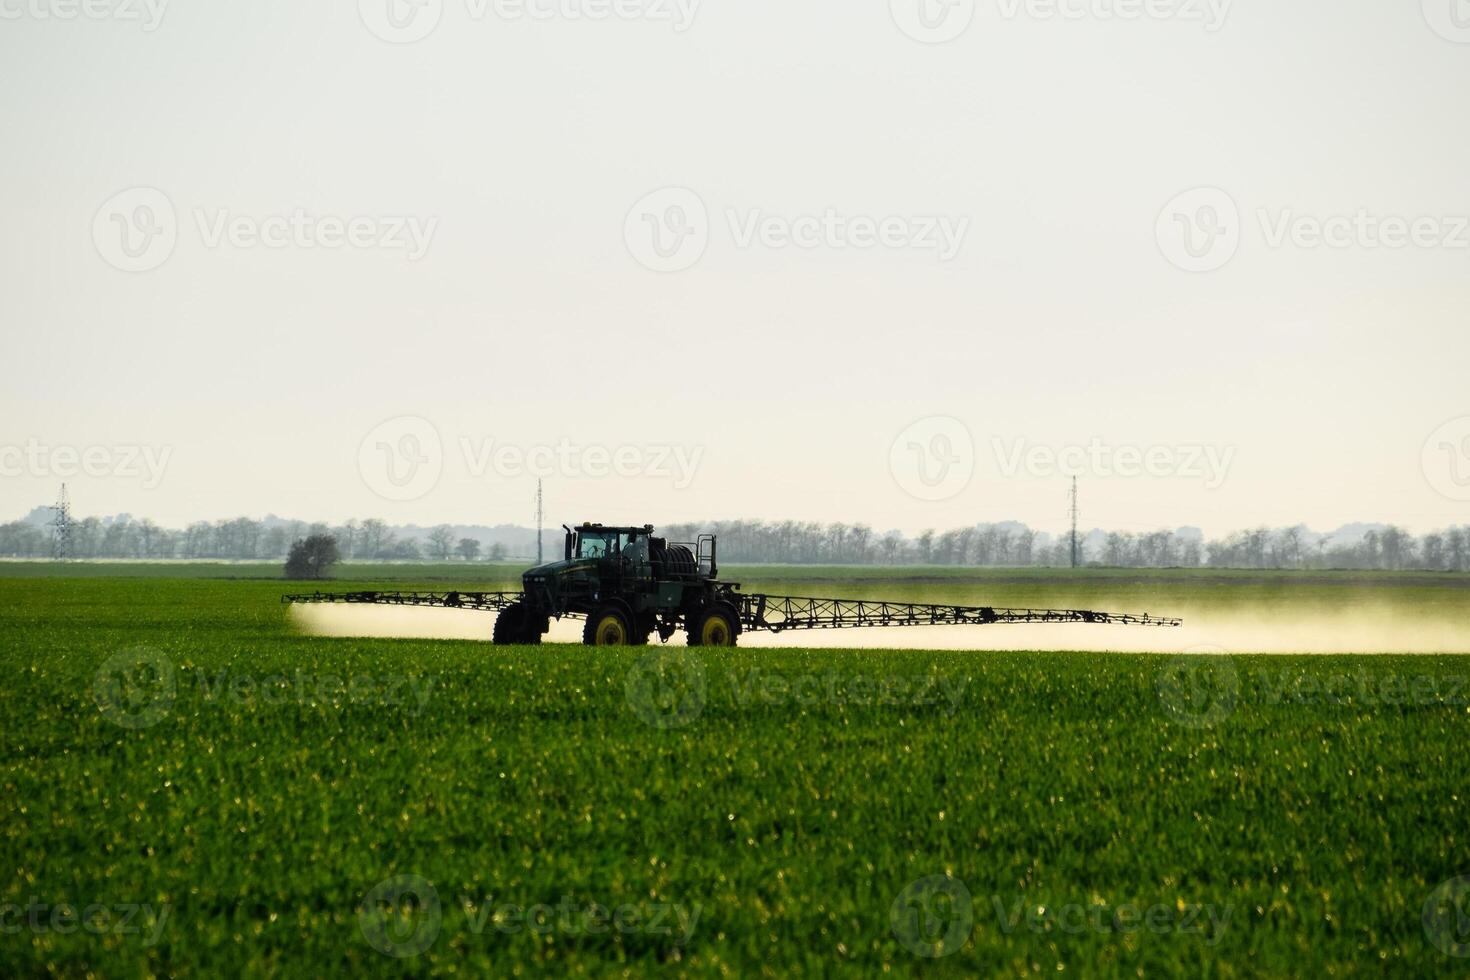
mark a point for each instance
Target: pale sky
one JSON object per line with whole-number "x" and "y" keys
{"x": 996, "y": 244}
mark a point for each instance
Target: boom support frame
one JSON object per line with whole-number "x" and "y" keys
{"x": 778, "y": 613}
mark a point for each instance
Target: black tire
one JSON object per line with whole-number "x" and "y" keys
{"x": 717, "y": 626}
{"x": 513, "y": 627}
{"x": 608, "y": 626}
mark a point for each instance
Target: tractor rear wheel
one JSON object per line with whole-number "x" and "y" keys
{"x": 607, "y": 627}
{"x": 714, "y": 627}
{"x": 514, "y": 627}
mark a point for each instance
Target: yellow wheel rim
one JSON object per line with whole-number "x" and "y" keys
{"x": 715, "y": 633}
{"x": 610, "y": 632}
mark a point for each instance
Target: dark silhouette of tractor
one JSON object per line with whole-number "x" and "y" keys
{"x": 630, "y": 584}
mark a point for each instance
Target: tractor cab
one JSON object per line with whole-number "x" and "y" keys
{"x": 596, "y": 561}
{"x": 630, "y": 584}
{"x": 597, "y": 542}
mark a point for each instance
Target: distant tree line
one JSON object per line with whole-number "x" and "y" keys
{"x": 1014, "y": 545}
{"x": 783, "y": 542}
{"x": 1391, "y": 548}
{"x": 242, "y": 539}
{"x": 798, "y": 543}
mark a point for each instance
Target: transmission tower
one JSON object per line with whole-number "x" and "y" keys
{"x": 539, "y": 521}
{"x": 1074, "y": 522}
{"x": 61, "y": 527}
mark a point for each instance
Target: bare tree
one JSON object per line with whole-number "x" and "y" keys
{"x": 1291, "y": 547}
{"x": 1002, "y": 540}
{"x": 1397, "y": 548}
{"x": 274, "y": 542}
{"x": 1025, "y": 546}
{"x": 1116, "y": 549}
{"x": 1457, "y": 548}
{"x": 441, "y": 542}
{"x": 147, "y": 537}
{"x": 377, "y": 540}
{"x": 347, "y": 537}
{"x": 1433, "y": 551}
{"x": 892, "y": 546}
{"x": 837, "y": 535}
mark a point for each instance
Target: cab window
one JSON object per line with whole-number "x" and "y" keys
{"x": 595, "y": 544}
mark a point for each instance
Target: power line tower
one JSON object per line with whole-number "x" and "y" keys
{"x": 1074, "y": 522}
{"x": 61, "y": 527}
{"x": 540, "y": 519}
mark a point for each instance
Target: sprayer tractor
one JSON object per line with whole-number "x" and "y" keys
{"x": 629, "y": 585}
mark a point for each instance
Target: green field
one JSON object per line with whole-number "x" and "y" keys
{"x": 215, "y": 793}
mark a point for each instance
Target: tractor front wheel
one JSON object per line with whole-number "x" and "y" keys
{"x": 607, "y": 627}
{"x": 514, "y": 626}
{"x": 714, "y": 627}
